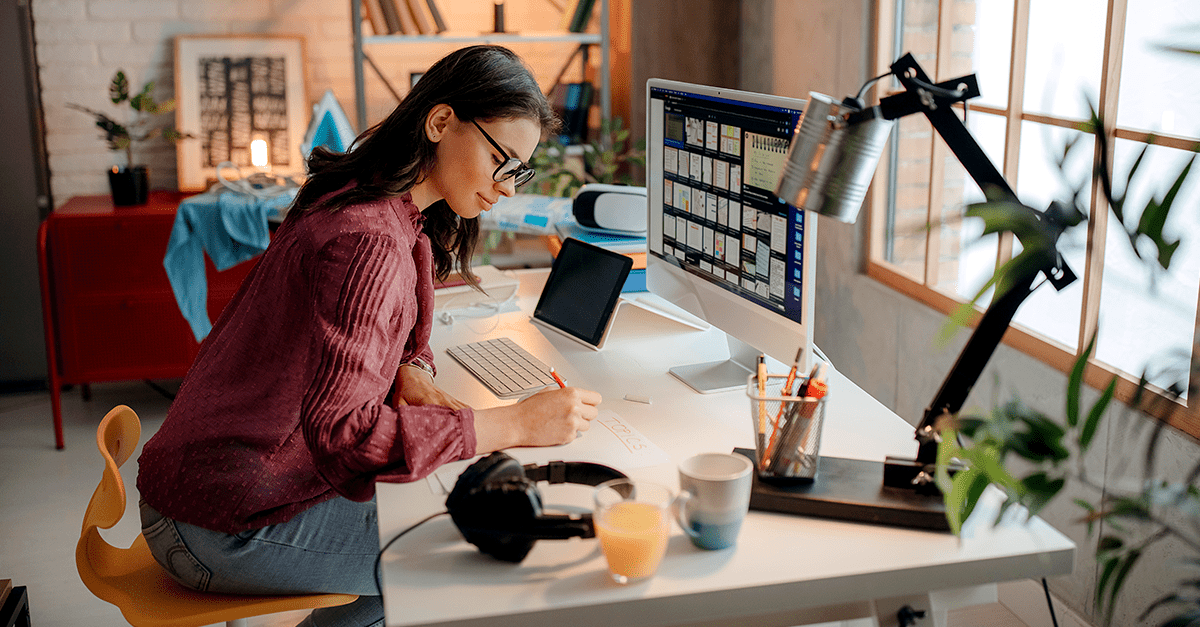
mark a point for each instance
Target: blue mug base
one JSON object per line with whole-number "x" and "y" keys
{"x": 714, "y": 537}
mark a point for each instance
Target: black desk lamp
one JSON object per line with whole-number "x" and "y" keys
{"x": 833, "y": 157}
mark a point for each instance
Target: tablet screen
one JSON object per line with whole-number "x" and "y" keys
{"x": 583, "y": 289}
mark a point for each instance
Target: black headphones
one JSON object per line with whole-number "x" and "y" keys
{"x": 497, "y": 507}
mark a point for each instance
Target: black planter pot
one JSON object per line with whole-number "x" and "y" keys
{"x": 130, "y": 186}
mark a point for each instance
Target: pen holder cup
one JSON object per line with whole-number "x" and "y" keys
{"x": 787, "y": 430}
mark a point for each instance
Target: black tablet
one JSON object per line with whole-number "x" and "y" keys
{"x": 583, "y": 291}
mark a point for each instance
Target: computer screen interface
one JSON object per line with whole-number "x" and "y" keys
{"x": 717, "y": 216}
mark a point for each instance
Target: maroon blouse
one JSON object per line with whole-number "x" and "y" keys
{"x": 286, "y": 404}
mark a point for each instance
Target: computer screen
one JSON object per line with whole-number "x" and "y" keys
{"x": 721, "y": 244}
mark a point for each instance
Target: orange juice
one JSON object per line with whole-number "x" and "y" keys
{"x": 633, "y": 537}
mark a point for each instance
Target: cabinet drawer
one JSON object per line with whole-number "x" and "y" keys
{"x": 107, "y": 255}
{"x": 115, "y": 338}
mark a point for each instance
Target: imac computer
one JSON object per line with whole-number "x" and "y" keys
{"x": 720, "y": 243}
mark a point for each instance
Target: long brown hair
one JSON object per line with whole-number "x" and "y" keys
{"x": 388, "y": 159}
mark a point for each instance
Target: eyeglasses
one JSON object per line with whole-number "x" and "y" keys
{"x": 512, "y": 168}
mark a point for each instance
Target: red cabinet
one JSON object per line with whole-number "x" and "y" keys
{"x": 110, "y": 314}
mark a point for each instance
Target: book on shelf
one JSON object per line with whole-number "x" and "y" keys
{"x": 391, "y": 16}
{"x": 434, "y": 13}
{"x": 373, "y": 16}
{"x": 581, "y": 16}
{"x": 571, "y": 102}
{"x": 422, "y": 21}
{"x": 616, "y": 241}
{"x": 635, "y": 282}
{"x": 629, "y": 244}
{"x": 579, "y": 122}
{"x": 407, "y": 21}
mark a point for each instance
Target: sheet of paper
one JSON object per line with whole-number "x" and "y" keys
{"x": 611, "y": 441}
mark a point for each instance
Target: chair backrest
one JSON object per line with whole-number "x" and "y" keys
{"x": 131, "y": 579}
{"x": 116, "y": 437}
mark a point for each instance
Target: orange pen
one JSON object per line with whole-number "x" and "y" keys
{"x": 785, "y": 391}
{"x": 557, "y": 379}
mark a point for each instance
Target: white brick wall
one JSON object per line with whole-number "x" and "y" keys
{"x": 82, "y": 43}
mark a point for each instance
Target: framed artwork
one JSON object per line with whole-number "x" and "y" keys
{"x": 232, "y": 90}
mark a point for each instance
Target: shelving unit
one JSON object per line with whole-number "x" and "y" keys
{"x": 584, "y": 40}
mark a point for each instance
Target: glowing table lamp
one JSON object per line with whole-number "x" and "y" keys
{"x": 259, "y": 152}
{"x": 833, "y": 157}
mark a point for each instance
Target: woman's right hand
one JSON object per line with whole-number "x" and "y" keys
{"x": 548, "y": 418}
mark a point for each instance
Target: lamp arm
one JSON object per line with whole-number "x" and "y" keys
{"x": 971, "y": 362}
{"x": 941, "y": 115}
{"x": 999, "y": 315}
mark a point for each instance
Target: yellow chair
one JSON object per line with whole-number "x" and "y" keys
{"x": 130, "y": 578}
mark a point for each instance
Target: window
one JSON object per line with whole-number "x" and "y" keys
{"x": 1038, "y": 63}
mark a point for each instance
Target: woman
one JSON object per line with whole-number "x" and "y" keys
{"x": 262, "y": 477}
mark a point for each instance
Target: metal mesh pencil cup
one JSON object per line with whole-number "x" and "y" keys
{"x": 787, "y": 430}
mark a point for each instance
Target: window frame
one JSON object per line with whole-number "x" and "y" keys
{"x": 1179, "y": 414}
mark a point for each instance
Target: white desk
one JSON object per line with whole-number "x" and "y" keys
{"x": 785, "y": 570}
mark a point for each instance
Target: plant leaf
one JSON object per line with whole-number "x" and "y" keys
{"x": 1075, "y": 384}
{"x": 1040, "y": 488}
{"x": 1133, "y": 508}
{"x": 1187, "y": 619}
{"x": 956, "y": 498}
{"x": 1119, "y": 581}
{"x": 1091, "y": 514}
{"x": 1093, "y": 419}
{"x": 1108, "y": 544}
{"x": 1109, "y": 567}
{"x": 118, "y": 89}
{"x": 1154, "y": 218}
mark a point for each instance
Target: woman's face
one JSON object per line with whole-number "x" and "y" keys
{"x": 466, "y": 160}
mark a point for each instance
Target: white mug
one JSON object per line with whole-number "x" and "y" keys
{"x": 714, "y": 498}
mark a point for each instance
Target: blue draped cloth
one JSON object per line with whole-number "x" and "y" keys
{"x": 231, "y": 227}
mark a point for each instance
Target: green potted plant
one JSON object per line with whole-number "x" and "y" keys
{"x": 130, "y": 183}
{"x": 1032, "y": 457}
{"x": 609, "y": 158}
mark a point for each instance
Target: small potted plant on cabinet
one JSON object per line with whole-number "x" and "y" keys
{"x": 130, "y": 183}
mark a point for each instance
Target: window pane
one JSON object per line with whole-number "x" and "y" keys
{"x": 1049, "y": 312}
{"x": 906, "y": 230}
{"x": 1065, "y": 53}
{"x": 1160, "y": 90}
{"x": 1146, "y": 323}
{"x": 911, "y": 145}
{"x": 920, "y": 34}
{"x": 993, "y": 50}
{"x": 968, "y": 260}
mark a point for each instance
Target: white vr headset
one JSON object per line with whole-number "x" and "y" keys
{"x": 612, "y": 207}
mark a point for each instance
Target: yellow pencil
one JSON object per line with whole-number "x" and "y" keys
{"x": 762, "y": 406}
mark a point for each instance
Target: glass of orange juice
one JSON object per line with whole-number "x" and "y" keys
{"x": 632, "y": 521}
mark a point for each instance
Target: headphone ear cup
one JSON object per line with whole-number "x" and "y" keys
{"x": 496, "y": 466}
{"x": 494, "y": 506}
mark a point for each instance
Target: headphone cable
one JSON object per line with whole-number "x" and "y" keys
{"x": 379, "y": 557}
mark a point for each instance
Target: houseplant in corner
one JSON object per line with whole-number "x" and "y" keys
{"x": 609, "y": 158}
{"x": 1032, "y": 457}
{"x": 130, "y": 183}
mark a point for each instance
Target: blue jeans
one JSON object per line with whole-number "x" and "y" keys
{"x": 328, "y": 548}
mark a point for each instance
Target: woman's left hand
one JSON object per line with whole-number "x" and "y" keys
{"x": 415, "y": 387}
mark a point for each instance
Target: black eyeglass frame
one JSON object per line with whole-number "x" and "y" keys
{"x": 520, "y": 174}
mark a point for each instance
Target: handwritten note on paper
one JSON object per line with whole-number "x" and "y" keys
{"x": 611, "y": 441}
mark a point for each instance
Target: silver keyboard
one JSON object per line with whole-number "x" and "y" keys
{"x": 507, "y": 369}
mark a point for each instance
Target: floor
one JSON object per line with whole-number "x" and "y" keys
{"x": 43, "y": 494}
